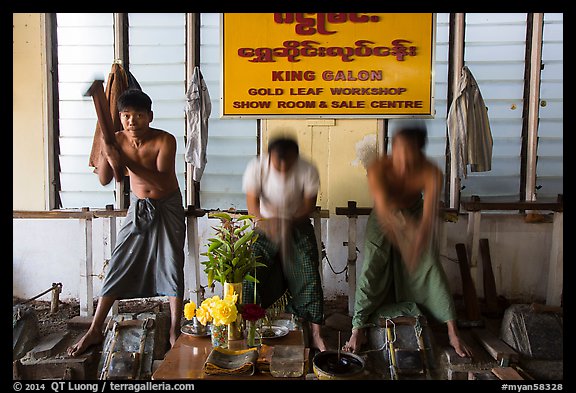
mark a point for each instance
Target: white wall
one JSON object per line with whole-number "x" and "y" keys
{"x": 47, "y": 251}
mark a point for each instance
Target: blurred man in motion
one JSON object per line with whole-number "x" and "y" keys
{"x": 401, "y": 273}
{"x": 281, "y": 190}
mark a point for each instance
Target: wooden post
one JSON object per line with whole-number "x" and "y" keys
{"x": 317, "y": 219}
{"x": 56, "y": 289}
{"x": 193, "y": 253}
{"x": 86, "y": 288}
{"x": 109, "y": 238}
{"x": 473, "y": 243}
{"x": 555, "y": 266}
{"x": 490, "y": 293}
{"x": 468, "y": 289}
{"x": 352, "y": 219}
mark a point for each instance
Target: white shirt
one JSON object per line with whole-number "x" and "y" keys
{"x": 198, "y": 109}
{"x": 469, "y": 127}
{"x": 281, "y": 194}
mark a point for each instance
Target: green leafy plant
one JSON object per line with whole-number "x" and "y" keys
{"x": 230, "y": 252}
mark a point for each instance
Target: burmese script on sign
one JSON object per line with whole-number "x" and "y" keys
{"x": 341, "y": 65}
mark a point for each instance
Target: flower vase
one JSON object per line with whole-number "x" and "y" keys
{"x": 219, "y": 336}
{"x": 251, "y": 329}
{"x": 235, "y": 330}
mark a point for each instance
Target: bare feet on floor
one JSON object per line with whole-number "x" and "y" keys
{"x": 173, "y": 338}
{"x": 92, "y": 337}
{"x": 318, "y": 342}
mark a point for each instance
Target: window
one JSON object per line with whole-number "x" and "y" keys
{"x": 85, "y": 52}
{"x": 436, "y": 147}
{"x": 231, "y": 142}
{"x": 157, "y": 59}
{"x": 494, "y": 51}
{"x": 549, "y": 166}
{"x": 495, "y": 47}
{"x": 157, "y": 52}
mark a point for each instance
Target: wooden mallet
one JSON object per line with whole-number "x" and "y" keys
{"x": 96, "y": 91}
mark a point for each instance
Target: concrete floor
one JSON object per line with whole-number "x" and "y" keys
{"x": 446, "y": 364}
{"x": 336, "y": 331}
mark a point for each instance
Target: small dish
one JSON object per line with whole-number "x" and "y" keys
{"x": 191, "y": 331}
{"x": 273, "y": 331}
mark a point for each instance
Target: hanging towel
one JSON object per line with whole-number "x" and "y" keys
{"x": 118, "y": 81}
{"x": 469, "y": 127}
{"x": 198, "y": 108}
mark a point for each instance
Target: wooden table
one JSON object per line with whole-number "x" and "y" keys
{"x": 185, "y": 360}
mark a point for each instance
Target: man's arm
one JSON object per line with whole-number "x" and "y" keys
{"x": 253, "y": 204}
{"x": 110, "y": 163}
{"x": 397, "y": 227}
{"x": 376, "y": 184}
{"x": 305, "y": 209}
{"x": 432, "y": 186}
{"x": 269, "y": 226}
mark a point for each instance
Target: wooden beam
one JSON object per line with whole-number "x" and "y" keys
{"x": 474, "y": 203}
{"x": 86, "y": 284}
{"x": 352, "y": 210}
{"x": 507, "y": 374}
{"x": 109, "y": 239}
{"x": 352, "y": 256}
{"x": 193, "y": 255}
{"x": 490, "y": 294}
{"x": 472, "y": 237}
{"x": 468, "y": 288}
{"x": 556, "y": 262}
{"x": 497, "y": 348}
{"x": 317, "y": 216}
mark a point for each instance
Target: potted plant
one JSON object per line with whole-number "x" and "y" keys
{"x": 230, "y": 252}
{"x": 231, "y": 258}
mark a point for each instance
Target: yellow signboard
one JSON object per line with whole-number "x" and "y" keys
{"x": 311, "y": 65}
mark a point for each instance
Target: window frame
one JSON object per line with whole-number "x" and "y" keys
{"x": 456, "y": 48}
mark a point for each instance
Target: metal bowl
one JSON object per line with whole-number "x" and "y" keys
{"x": 334, "y": 365}
{"x": 195, "y": 328}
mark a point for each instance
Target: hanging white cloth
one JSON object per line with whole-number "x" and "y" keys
{"x": 469, "y": 128}
{"x": 198, "y": 109}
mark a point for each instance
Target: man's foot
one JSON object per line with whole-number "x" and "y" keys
{"x": 173, "y": 338}
{"x": 357, "y": 339}
{"x": 92, "y": 337}
{"x": 318, "y": 343}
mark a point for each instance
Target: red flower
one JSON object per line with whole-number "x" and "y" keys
{"x": 252, "y": 312}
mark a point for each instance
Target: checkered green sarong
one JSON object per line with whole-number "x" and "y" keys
{"x": 300, "y": 276}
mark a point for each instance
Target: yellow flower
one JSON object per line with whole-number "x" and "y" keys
{"x": 224, "y": 312}
{"x": 189, "y": 309}
{"x": 231, "y": 298}
{"x": 217, "y": 311}
{"x": 203, "y": 315}
{"x": 209, "y": 303}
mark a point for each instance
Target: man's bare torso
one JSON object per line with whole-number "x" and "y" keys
{"x": 144, "y": 161}
{"x": 402, "y": 189}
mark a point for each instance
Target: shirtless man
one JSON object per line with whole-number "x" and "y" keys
{"x": 148, "y": 259}
{"x": 400, "y": 260}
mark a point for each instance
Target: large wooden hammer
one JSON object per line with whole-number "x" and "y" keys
{"x": 96, "y": 91}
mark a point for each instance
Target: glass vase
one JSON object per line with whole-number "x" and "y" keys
{"x": 252, "y": 338}
{"x": 219, "y": 336}
{"x": 235, "y": 330}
